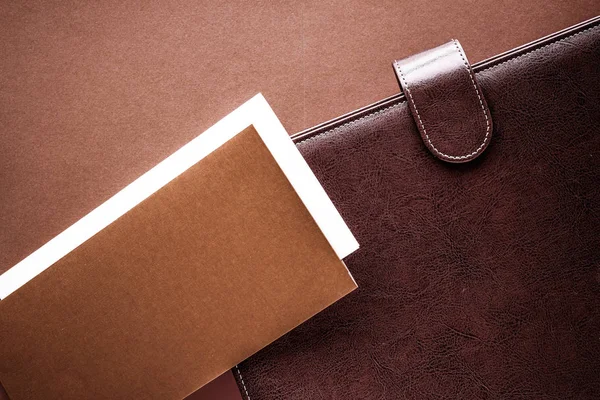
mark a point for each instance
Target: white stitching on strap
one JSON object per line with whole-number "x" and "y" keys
{"x": 242, "y": 380}
{"x": 485, "y": 114}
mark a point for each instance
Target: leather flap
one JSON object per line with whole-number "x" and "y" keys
{"x": 446, "y": 102}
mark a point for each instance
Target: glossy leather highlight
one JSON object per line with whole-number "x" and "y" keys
{"x": 446, "y": 102}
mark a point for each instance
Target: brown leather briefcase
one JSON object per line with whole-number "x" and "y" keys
{"x": 475, "y": 196}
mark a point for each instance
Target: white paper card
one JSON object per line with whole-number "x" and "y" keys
{"x": 256, "y": 112}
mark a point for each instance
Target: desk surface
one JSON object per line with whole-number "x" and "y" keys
{"x": 94, "y": 95}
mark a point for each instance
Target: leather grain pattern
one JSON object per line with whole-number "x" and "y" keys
{"x": 446, "y": 102}
{"x": 477, "y": 280}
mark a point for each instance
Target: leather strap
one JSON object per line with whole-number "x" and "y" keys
{"x": 446, "y": 102}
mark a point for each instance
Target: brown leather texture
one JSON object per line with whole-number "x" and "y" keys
{"x": 446, "y": 102}
{"x": 478, "y": 280}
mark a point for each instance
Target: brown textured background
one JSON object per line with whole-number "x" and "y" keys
{"x": 92, "y": 95}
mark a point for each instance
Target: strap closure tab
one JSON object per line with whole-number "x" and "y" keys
{"x": 446, "y": 102}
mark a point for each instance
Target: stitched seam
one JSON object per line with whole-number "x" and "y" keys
{"x": 349, "y": 123}
{"x": 479, "y": 97}
{"x": 479, "y": 71}
{"x": 538, "y": 49}
{"x": 243, "y": 384}
{"x": 412, "y": 101}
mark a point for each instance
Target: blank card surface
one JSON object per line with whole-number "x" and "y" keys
{"x": 206, "y": 270}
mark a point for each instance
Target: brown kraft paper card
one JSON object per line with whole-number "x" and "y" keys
{"x": 215, "y": 265}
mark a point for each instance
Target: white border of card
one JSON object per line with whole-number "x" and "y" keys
{"x": 256, "y": 112}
